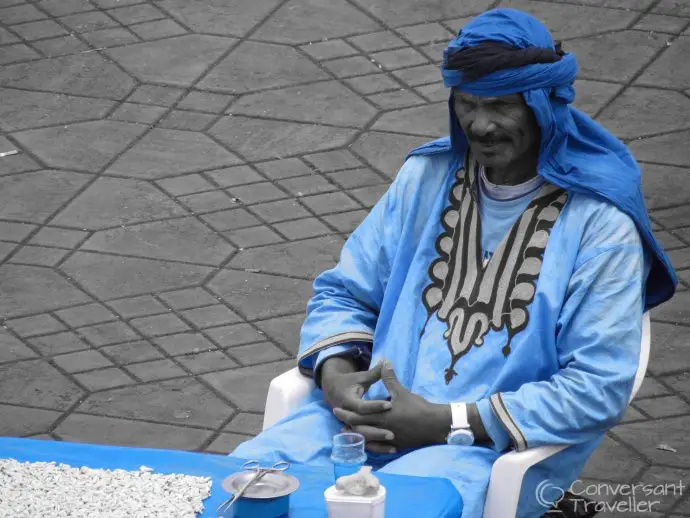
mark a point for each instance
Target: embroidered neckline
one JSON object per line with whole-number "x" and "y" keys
{"x": 472, "y": 298}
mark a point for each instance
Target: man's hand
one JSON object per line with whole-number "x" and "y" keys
{"x": 413, "y": 421}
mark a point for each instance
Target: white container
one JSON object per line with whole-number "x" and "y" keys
{"x": 342, "y": 505}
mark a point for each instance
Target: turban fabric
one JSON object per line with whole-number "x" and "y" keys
{"x": 506, "y": 51}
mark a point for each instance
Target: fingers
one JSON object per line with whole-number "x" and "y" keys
{"x": 373, "y": 433}
{"x": 390, "y": 380}
{"x": 366, "y": 407}
{"x": 380, "y": 447}
{"x": 353, "y": 419}
{"x": 368, "y": 378}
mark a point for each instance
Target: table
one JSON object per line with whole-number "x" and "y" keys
{"x": 412, "y": 497}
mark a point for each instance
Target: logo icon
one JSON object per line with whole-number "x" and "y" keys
{"x": 548, "y": 494}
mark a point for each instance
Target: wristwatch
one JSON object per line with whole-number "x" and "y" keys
{"x": 460, "y": 431}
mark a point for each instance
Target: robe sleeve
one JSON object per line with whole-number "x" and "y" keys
{"x": 598, "y": 345}
{"x": 358, "y": 350}
{"x": 347, "y": 299}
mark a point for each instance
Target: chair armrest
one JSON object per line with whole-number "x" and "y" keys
{"x": 286, "y": 394}
{"x": 506, "y": 479}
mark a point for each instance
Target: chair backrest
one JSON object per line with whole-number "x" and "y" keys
{"x": 645, "y": 347}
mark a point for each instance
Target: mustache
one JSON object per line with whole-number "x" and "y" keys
{"x": 487, "y": 139}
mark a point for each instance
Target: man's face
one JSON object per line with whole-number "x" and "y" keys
{"x": 500, "y": 130}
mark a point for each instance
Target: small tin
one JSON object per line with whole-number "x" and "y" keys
{"x": 267, "y": 498}
{"x": 342, "y": 505}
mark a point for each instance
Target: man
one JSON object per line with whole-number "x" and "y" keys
{"x": 502, "y": 278}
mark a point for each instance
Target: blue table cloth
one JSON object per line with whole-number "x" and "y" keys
{"x": 412, "y": 497}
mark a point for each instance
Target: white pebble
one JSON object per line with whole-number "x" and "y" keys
{"x": 37, "y": 489}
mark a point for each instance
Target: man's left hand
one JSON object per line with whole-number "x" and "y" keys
{"x": 413, "y": 421}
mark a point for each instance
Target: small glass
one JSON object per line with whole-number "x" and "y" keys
{"x": 348, "y": 453}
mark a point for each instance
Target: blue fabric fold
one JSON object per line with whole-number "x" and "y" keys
{"x": 576, "y": 153}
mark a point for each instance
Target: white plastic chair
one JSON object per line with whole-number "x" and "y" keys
{"x": 292, "y": 389}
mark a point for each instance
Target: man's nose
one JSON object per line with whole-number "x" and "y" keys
{"x": 482, "y": 125}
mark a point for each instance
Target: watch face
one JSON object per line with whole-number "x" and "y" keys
{"x": 461, "y": 438}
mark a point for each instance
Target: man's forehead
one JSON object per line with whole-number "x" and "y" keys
{"x": 512, "y": 98}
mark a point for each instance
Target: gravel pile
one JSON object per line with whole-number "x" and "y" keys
{"x": 50, "y": 490}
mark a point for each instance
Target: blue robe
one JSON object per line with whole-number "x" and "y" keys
{"x": 545, "y": 337}
{"x": 557, "y": 368}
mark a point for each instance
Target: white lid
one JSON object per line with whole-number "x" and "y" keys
{"x": 335, "y": 495}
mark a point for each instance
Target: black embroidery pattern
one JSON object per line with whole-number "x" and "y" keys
{"x": 473, "y": 298}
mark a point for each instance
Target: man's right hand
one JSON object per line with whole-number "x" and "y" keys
{"x": 343, "y": 387}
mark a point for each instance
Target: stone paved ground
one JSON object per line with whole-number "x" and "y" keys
{"x": 186, "y": 167}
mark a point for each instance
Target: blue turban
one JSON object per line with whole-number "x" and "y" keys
{"x": 576, "y": 153}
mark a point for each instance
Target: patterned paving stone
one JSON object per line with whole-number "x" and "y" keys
{"x": 109, "y": 333}
{"x": 183, "y": 401}
{"x": 226, "y": 442}
{"x": 83, "y": 146}
{"x": 189, "y": 298}
{"x": 407, "y": 12}
{"x": 665, "y": 72}
{"x": 647, "y": 435}
{"x": 59, "y": 343}
{"x": 111, "y": 202}
{"x": 672, "y": 7}
{"x": 131, "y": 352}
{"x": 301, "y": 21}
{"x": 81, "y": 361}
{"x": 110, "y": 277}
{"x": 66, "y": 75}
{"x": 262, "y": 352}
{"x": 58, "y": 237}
{"x": 245, "y": 423}
{"x": 253, "y": 237}
{"x": 211, "y": 316}
{"x": 156, "y": 370}
{"x": 16, "y": 53}
{"x": 237, "y": 334}
{"x": 261, "y": 296}
{"x": 327, "y": 103}
{"x": 612, "y": 461}
{"x": 303, "y": 258}
{"x": 247, "y": 387}
{"x": 177, "y": 61}
{"x": 187, "y": 184}
{"x": 36, "y": 383}
{"x": 284, "y": 330}
{"x": 38, "y": 255}
{"x": 103, "y": 379}
{"x": 200, "y": 363}
{"x": 644, "y": 111}
{"x": 12, "y": 349}
{"x": 34, "y": 197}
{"x": 32, "y": 289}
{"x": 668, "y": 149}
{"x": 665, "y": 185}
{"x": 159, "y": 325}
{"x": 626, "y": 53}
{"x": 593, "y": 95}
{"x": 157, "y": 29}
{"x": 184, "y": 343}
{"x": 35, "y": 325}
{"x": 386, "y": 151}
{"x": 108, "y": 430}
{"x": 254, "y": 66}
{"x": 574, "y": 21}
{"x": 428, "y": 120}
{"x": 137, "y": 306}
{"x": 218, "y": 16}
{"x": 263, "y": 139}
{"x": 180, "y": 239}
{"x": 18, "y": 421}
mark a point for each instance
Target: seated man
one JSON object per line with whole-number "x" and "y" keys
{"x": 501, "y": 280}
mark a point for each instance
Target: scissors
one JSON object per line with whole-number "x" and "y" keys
{"x": 253, "y": 465}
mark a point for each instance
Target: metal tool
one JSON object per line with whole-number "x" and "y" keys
{"x": 253, "y": 465}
